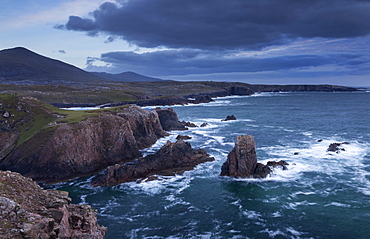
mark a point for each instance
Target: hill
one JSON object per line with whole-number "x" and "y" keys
{"x": 20, "y": 64}
{"x": 128, "y": 76}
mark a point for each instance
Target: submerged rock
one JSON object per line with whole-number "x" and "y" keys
{"x": 171, "y": 159}
{"x": 334, "y": 147}
{"x": 28, "y": 211}
{"x": 242, "y": 161}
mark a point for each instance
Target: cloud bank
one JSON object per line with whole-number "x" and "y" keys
{"x": 206, "y": 36}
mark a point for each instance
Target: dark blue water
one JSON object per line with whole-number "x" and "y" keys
{"x": 322, "y": 195}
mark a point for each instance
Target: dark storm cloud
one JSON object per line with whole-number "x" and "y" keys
{"x": 182, "y": 62}
{"x": 231, "y": 24}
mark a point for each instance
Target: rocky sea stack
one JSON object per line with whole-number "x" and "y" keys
{"x": 171, "y": 159}
{"x": 28, "y": 211}
{"x": 242, "y": 161}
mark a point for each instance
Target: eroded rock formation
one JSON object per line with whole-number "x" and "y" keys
{"x": 171, "y": 159}
{"x": 28, "y": 211}
{"x": 169, "y": 119}
{"x": 242, "y": 160}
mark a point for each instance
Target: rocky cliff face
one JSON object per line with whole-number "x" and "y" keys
{"x": 242, "y": 161}
{"x": 28, "y": 211}
{"x": 169, "y": 119}
{"x": 63, "y": 151}
{"x": 171, "y": 159}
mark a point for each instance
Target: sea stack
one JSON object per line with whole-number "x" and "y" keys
{"x": 242, "y": 160}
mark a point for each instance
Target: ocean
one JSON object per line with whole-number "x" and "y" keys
{"x": 321, "y": 195}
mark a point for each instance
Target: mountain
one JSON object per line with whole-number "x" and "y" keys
{"x": 21, "y": 64}
{"x": 128, "y": 76}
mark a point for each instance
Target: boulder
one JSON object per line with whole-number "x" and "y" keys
{"x": 242, "y": 161}
{"x": 188, "y": 124}
{"x": 28, "y": 211}
{"x": 229, "y": 117}
{"x": 183, "y": 137}
{"x": 204, "y": 125}
{"x": 168, "y": 119}
{"x": 171, "y": 159}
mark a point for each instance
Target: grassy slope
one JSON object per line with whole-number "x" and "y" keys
{"x": 29, "y": 116}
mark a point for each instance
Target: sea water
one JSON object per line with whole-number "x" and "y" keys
{"x": 321, "y": 195}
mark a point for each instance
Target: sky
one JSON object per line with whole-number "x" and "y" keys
{"x": 257, "y": 42}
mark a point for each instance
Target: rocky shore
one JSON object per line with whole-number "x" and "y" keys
{"x": 28, "y": 211}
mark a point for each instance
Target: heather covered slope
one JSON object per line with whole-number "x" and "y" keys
{"x": 21, "y": 64}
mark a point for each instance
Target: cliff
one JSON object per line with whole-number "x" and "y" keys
{"x": 28, "y": 211}
{"x": 58, "y": 150}
{"x": 171, "y": 159}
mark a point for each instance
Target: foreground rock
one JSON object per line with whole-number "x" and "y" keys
{"x": 171, "y": 159}
{"x": 242, "y": 161}
{"x": 28, "y": 211}
{"x": 61, "y": 151}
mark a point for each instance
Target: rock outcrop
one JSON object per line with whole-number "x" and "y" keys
{"x": 171, "y": 159}
{"x": 28, "y": 211}
{"x": 169, "y": 119}
{"x": 242, "y": 161}
{"x": 229, "y": 117}
{"x": 67, "y": 150}
{"x": 334, "y": 147}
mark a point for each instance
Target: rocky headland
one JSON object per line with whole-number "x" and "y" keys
{"x": 28, "y": 211}
{"x": 242, "y": 161}
{"x": 170, "y": 159}
{"x": 58, "y": 150}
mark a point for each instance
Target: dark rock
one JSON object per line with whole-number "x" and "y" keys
{"x": 188, "y": 124}
{"x": 171, "y": 159}
{"x": 320, "y": 140}
{"x": 28, "y": 211}
{"x": 229, "y": 117}
{"x": 169, "y": 120}
{"x": 281, "y": 164}
{"x": 183, "y": 137}
{"x": 242, "y": 161}
{"x": 204, "y": 125}
{"x": 296, "y": 153}
{"x": 334, "y": 147}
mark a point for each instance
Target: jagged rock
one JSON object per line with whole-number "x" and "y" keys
{"x": 229, "y": 117}
{"x": 183, "y": 137}
{"x": 204, "y": 125}
{"x": 71, "y": 150}
{"x": 171, "y": 159}
{"x": 28, "y": 211}
{"x": 169, "y": 120}
{"x": 188, "y": 124}
{"x": 242, "y": 161}
{"x": 334, "y": 147}
{"x": 281, "y": 164}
